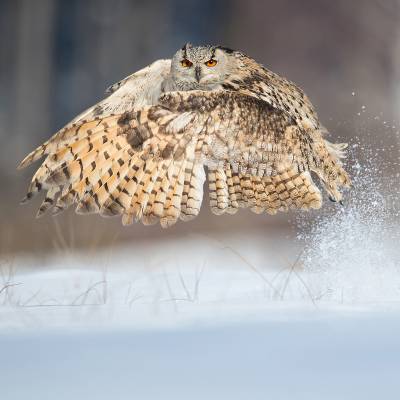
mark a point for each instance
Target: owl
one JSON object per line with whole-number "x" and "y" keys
{"x": 144, "y": 151}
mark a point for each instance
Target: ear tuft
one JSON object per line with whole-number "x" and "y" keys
{"x": 186, "y": 46}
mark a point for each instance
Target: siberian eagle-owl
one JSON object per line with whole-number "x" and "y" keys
{"x": 142, "y": 152}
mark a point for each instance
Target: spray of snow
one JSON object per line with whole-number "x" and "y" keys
{"x": 352, "y": 254}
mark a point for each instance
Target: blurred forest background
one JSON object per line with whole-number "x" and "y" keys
{"x": 58, "y": 56}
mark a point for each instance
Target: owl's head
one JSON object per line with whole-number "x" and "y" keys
{"x": 201, "y": 67}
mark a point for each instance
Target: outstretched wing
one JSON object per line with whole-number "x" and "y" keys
{"x": 149, "y": 164}
{"x": 135, "y": 91}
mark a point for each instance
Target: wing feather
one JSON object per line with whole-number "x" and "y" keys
{"x": 149, "y": 164}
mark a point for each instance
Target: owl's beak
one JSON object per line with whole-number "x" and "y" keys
{"x": 197, "y": 73}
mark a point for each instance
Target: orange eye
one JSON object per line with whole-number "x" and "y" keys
{"x": 186, "y": 63}
{"x": 211, "y": 63}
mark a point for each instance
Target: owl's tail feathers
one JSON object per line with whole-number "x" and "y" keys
{"x": 225, "y": 191}
{"x": 229, "y": 190}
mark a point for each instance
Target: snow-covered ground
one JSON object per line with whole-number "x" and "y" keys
{"x": 200, "y": 281}
{"x": 296, "y": 355}
{"x": 87, "y": 329}
{"x": 311, "y": 313}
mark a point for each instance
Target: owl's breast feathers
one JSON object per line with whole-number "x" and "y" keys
{"x": 259, "y": 137}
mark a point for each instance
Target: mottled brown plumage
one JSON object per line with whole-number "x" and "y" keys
{"x": 141, "y": 152}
